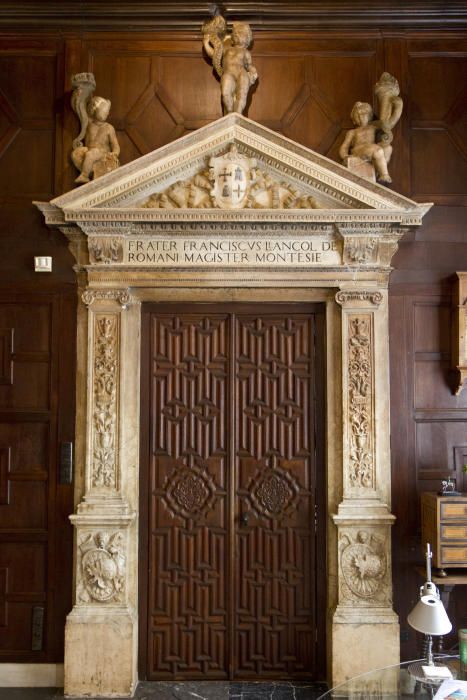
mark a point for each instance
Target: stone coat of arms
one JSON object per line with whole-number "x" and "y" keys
{"x": 102, "y": 568}
{"x": 232, "y": 175}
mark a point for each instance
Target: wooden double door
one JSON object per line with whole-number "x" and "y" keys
{"x": 233, "y": 533}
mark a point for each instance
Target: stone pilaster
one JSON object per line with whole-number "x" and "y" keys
{"x": 364, "y": 620}
{"x": 101, "y": 630}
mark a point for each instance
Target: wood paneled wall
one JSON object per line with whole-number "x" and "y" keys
{"x": 161, "y": 86}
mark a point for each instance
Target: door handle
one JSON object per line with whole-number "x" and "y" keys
{"x": 244, "y": 519}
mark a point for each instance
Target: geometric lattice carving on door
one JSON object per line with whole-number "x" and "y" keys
{"x": 275, "y": 483}
{"x": 232, "y": 494}
{"x": 188, "y": 548}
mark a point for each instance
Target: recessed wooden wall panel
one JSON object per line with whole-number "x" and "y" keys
{"x": 432, "y": 322}
{"x": 36, "y": 172}
{"x": 437, "y": 113}
{"x": 27, "y": 128}
{"x": 271, "y": 106}
{"x": 31, "y": 333}
{"x": 5, "y": 461}
{"x": 436, "y": 443}
{"x": 190, "y": 87}
{"x": 431, "y": 357}
{"x": 29, "y": 446}
{"x": 30, "y": 388}
{"x": 27, "y": 507}
{"x": 439, "y": 166}
{"x": 6, "y": 356}
{"x": 39, "y": 70}
{"x": 432, "y": 388}
{"x": 125, "y": 78}
{"x": 23, "y": 580}
{"x": 15, "y": 640}
{"x": 446, "y": 77}
{"x": 356, "y": 69}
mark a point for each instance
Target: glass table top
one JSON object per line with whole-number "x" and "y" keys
{"x": 403, "y": 681}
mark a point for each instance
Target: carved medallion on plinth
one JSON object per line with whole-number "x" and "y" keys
{"x": 102, "y": 567}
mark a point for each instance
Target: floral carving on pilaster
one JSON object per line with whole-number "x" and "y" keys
{"x": 361, "y": 250}
{"x": 122, "y": 296}
{"x": 106, "y": 370}
{"x": 101, "y": 567}
{"x": 360, "y": 384}
{"x": 363, "y": 567}
{"x": 105, "y": 250}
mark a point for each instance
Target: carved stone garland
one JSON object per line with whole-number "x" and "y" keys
{"x": 105, "y": 400}
{"x": 360, "y": 392}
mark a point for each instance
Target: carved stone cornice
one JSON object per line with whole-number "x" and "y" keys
{"x": 53, "y": 215}
{"x": 110, "y": 218}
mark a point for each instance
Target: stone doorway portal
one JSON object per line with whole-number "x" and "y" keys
{"x": 130, "y": 250}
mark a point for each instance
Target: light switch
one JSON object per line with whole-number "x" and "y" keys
{"x": 42, "y": 263}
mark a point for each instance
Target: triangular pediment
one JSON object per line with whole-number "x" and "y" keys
{"x": 175, "y": 179}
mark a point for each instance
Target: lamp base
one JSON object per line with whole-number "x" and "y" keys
{"x": 428, "y": 673}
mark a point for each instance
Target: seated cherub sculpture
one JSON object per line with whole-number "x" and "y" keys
{"x": 231, "y": 60}
{"x": 100, "y": 151}
{"x": 371, "y": 139}
{"x": 361, "y": 141}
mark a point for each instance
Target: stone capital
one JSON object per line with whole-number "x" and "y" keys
{"x": 358, "y": 297}
{"x": 121, "y": 296}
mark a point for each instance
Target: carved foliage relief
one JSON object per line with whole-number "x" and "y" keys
{"x": 105, "y": 400}
{"x": 363, "y": 567}
{"x": 232, "y": 181}
{"x": 102, "y": 567}
{"x": 360, "y": 250}
{"x": 360, "y": 382}
{"x": 105, "y": 250}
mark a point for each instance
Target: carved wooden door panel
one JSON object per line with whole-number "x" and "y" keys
{"x": 274, "y": 487}
{"x": 230, "y": 495}
{"x": 189, "y": 512}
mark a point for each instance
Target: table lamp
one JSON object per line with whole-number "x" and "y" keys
{"x": 430, "y": 618}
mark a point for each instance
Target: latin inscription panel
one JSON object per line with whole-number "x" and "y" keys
{"x": 237, "y": 252}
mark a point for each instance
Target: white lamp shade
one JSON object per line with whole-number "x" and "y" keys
{"x": 429, "y": 616}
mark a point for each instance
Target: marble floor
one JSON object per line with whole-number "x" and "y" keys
{"x": 278, "y": 690}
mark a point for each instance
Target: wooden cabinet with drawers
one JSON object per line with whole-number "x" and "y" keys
{"x": 444, "y": 526}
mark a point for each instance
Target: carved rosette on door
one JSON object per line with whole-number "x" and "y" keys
{"x": 232, "y": 482}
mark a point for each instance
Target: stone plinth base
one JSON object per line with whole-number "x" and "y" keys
{"x": 100, "y": 653}
{"x": 361, "y": 167}
{"x": 358, "y": 648}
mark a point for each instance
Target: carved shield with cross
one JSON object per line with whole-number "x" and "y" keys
{"x": 231, "y": 175}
